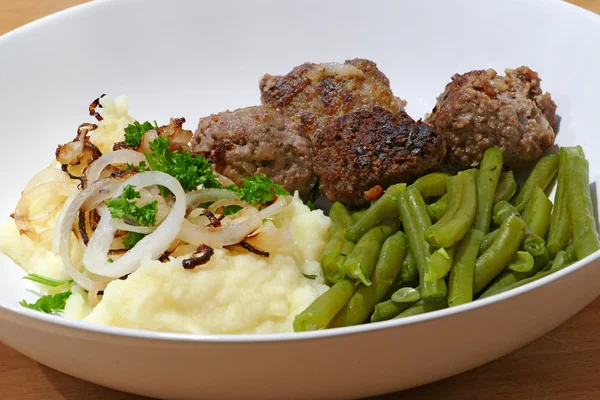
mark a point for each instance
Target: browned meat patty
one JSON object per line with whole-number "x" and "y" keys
{"x": 257, "y": 140}
{"x": 481, "y": 109}
{"x": 364, "y": 149}
{"x": 315, "y": 94}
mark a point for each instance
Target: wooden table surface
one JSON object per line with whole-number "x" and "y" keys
{"x": 562, "y": 365}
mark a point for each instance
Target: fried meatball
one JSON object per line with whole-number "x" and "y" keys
{"x": 481, "y": 109}
{"x": 315, "y": 94}
{"x": 258, "y": 140}
{"x": 364, "y": 149}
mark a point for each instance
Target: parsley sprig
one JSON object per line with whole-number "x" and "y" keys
{"x": 46, "y": 281}
{"x": 124, "y": 207}
{"x": 49, "y": 303}
{"x": 190, "y": 170}
{"x": 260, "y": 190}
{"x": 135, "y": 132}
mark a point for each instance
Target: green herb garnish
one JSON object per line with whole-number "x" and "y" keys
{"x": 49, "y": 303}
{"x": 124, "y": 207}
{"x": 311, "y": 277}
{"x": 136, "y": 131}
{"x": 310, "y": 205}
{"x": 46, "y": 281}
{"x": 190, "y": 170}
{"x": 110, "y": 260}
{"x": 259, "y": 189}
{"x": 131, "y": 239}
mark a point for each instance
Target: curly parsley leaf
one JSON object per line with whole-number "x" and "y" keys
{"x": 190, "y": 170}
{"x": 136, "y": 131}
{"x": 49, "y": 303}
{"x": 131, "y": 239}
{"x": 46, "y": 281}
{"x": 124, "y": 207}
{"x": 259, "y": 189}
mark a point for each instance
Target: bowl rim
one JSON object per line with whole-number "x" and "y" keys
{"x": 87, "y": 327}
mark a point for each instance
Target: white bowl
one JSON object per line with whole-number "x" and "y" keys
{"x": 189, "y": 58}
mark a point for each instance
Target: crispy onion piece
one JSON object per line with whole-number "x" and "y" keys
{"x": 208, "y": 196}
{"x": 180, "y": 138}
{"x": 153, "y": 245}
{"x": 80, "y": 151}
{"x": 201, "y": 256}
{"x": 62, "y": 234}
{"x": 280, "y": 204}
{"x": 247, "y": 221}
{"x": 217, "y": 205}
{"x": 116, "y": 157}
{"x": 55, "y": 192}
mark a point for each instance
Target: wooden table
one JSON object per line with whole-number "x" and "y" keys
{"x": 562, "y": 365}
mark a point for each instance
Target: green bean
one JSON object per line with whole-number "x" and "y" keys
{"x": 581, "y": 209}
{"x": 438, "y": 264}
{"x": 363, "y": 301}
{"x": 460, "y": 290}
{"x": 499, "y": 254}
{"x": 432, "y": 185}
{"x": 532, "y": 243}
{"x": 537, "y": 213}
{"x": 332, "y": 260}
{"x": 357, "y": 215}
{"x": 571, "y": 251}
{"x": 424, "y": 306}
{"x": 488, "y": 240}
{"x": 509, "y": 277}
{"x": 522, "y": 262}
{"x": 560, "y": 265}
{"x": 387, "y": 310}
{"x": 543, "y": 173}
{"x": 560, "y": 220}
{"x": 322, "y": 310}
{"x": 361, "y": 262}
{"x": 415, "y": 220}
{"x": 406, "y": 295}
{"x": 408, "y": 270}
{"x": 384, "y": 209}
{"x": 451, "y": 228}
{"x": 506, "y": 188}
{"x": 438, "y": 209}
{"x": 489, "y": 174}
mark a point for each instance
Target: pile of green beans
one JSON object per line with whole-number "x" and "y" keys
{"x": 448, "y": 240}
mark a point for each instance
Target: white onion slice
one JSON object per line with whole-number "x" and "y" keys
{"x": 123, "y": 226}
{"x": 104, "y": 193}
{"x": 227, "y": 202}
{"x": 208, "y": 196}
{"x": 247, "y": 221}
{"x": 47, "y": 175}
{"x": 280, "y": 204}
{"x": 153, "y": 245}
{"x": 271, "y": 239}
{"x": 122, "y": 156}
{"x": 64, "y": 226}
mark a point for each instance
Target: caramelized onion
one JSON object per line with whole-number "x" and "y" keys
{"x": 247, "y": 221}
{"x": 279, "y": 205}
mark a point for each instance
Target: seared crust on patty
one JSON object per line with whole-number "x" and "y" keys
{"x": 368, "y": 148}
{"x": 481, "y": 109}
{"x": 315, "y": 94}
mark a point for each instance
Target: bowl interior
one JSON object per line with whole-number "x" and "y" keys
{"x": 192, "y": 58}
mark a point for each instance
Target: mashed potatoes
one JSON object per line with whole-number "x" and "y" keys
{"x": 235, "y": 292}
